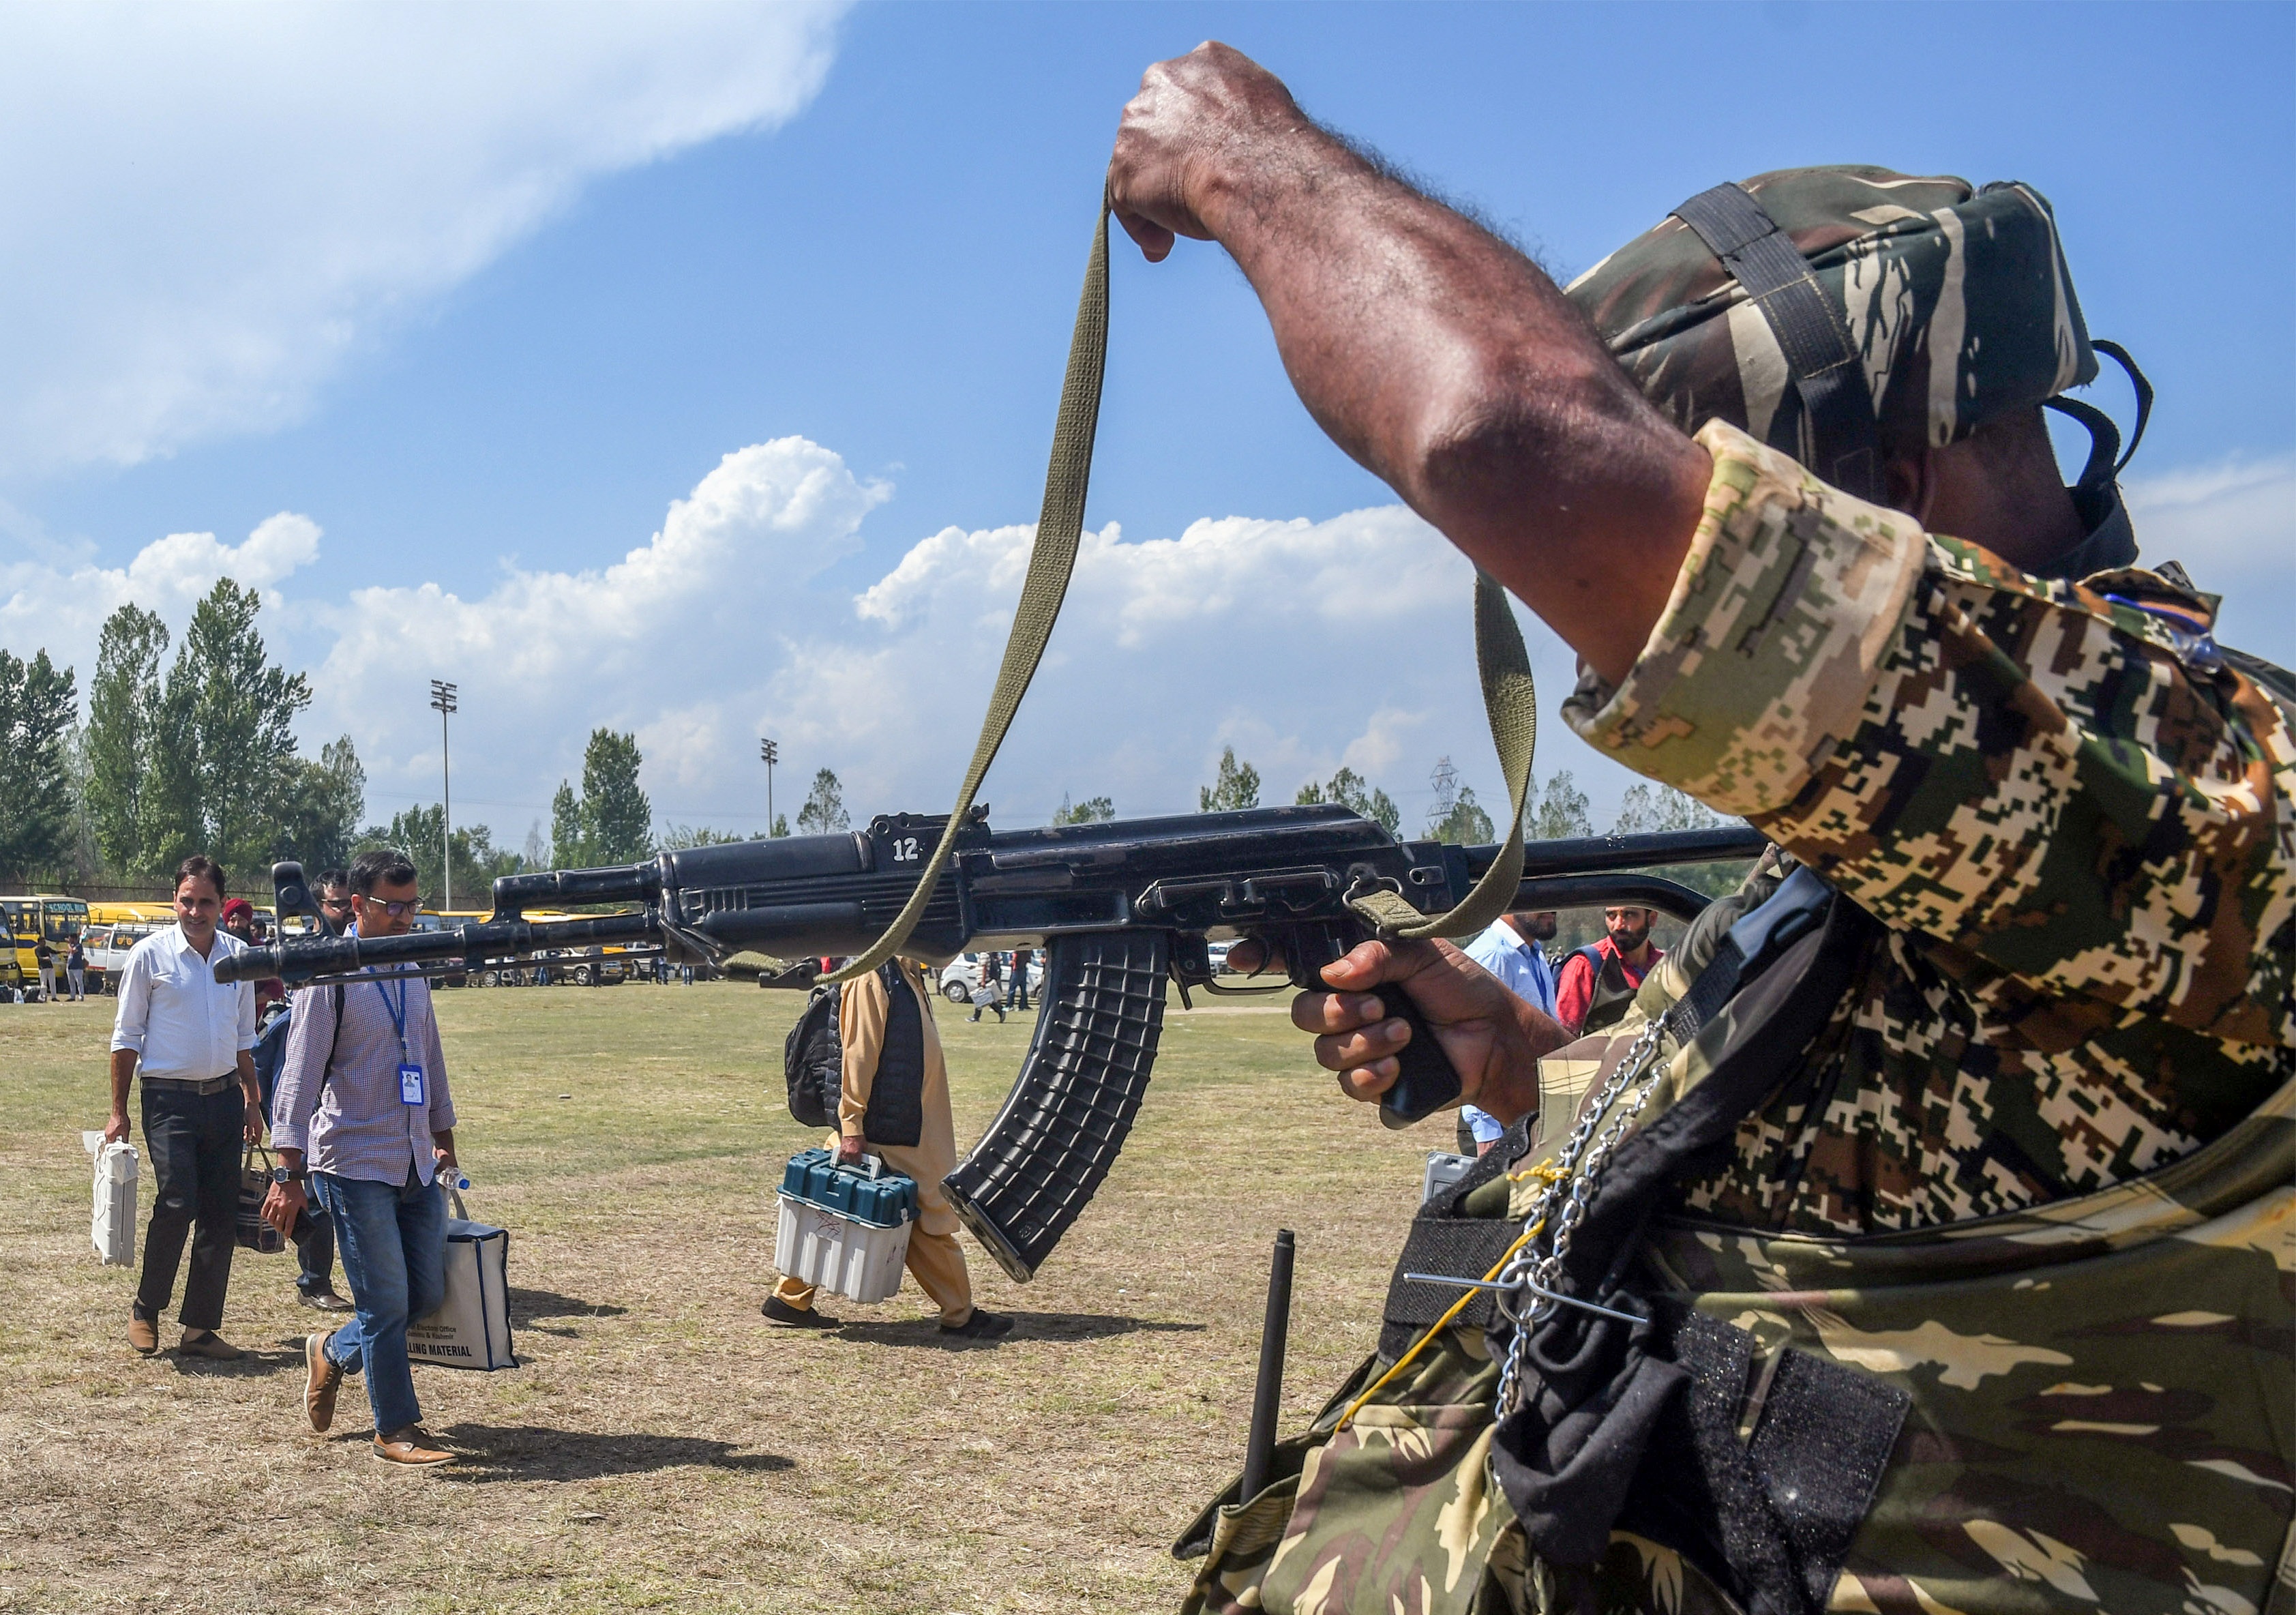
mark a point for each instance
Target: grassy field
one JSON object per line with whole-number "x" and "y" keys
{"x": 661, "y": 1447}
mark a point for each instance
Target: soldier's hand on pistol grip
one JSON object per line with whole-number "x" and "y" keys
{"x": 1492, "y": 1038}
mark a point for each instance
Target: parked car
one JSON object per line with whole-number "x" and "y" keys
{"x": 960, "y": 976}
{"x": 109, "y": 946}
{"x": 1217, "y": 951}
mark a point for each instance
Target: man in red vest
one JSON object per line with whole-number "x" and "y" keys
{"x": 1599, "y": 982}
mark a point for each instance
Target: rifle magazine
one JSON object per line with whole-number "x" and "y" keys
{"x": 1043, "y": 1158}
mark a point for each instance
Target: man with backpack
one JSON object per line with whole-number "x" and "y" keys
{"x": 364, "y": 1124}
{"x": 1598, "y": 982}
{"x": 891, "y": 1101}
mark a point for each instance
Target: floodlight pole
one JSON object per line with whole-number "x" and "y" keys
{"x": 769, "y": 752}
{"x": 442, "y": 698}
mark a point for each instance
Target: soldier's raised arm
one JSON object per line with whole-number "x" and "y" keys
{"x": 1434, "y": 353}
{"x": 2062, "y": 786}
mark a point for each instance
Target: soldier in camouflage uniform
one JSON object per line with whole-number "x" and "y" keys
{"x": 2029, "y": 1181}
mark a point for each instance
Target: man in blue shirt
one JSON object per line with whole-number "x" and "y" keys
{"x": 1510, "y": 950}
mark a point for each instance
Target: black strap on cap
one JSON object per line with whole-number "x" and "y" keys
{"x": 2110, "y": 543}
{"x": 1812, "y": 332}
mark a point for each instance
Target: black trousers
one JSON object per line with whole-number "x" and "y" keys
{"x": 194, "y": 1143}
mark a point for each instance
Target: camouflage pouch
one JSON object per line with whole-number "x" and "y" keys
{"x": 1392, "y": 1508}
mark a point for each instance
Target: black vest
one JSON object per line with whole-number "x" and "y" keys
{"x": 897, "y": 1110}
{"x": 1613, "y": 994}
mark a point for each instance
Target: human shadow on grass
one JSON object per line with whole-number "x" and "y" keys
{"x": 1026, "y": 1326}
{"x": 254, "y": 1363}
{"x": 527, "y": 1452}
{"x": 526, "y": 1305}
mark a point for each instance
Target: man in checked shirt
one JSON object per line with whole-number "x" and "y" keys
{"x": 363, "y": 1115}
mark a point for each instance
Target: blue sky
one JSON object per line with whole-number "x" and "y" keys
{"x": 477, "y": 315}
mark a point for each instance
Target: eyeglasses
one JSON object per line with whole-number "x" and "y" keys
{"x": 335, "y": 904}
{"x": 396, "y": 911}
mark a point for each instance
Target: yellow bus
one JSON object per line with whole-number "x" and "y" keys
{"x": 31, "y": 920}
{"x": 140, "y": 913}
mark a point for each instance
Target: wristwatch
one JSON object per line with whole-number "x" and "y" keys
{"x": 286, "y": 1175}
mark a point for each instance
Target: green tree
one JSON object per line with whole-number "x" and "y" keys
{"x": 569, "y": 842}
{"x": 1646, "y": 808}
{"x": 1237, "y": 786}
{"x": 1089, "y": 811}
{"x": 1557, "y": 812}
{"x": 235, "y": 713}
{"x": 168, "y": 810}
{"x": 320, "y": 806}
{"x": 123, "y": 735}
{"x": 824, "y": 806}
{"x": 615, "y": 811}
{"x": 477, "y": 860}
{"x": 678, "y": 838}
{"x": 1352, "y": 791}
{"x": 780, "y": 824}
{"x": 611, "y": 822}
{"x": 85, "y": 860}
{"x": 37, "y": 703}
{"x": 1466, "y": 825}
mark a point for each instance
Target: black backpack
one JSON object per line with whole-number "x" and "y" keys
{"x": 812, "y": 1063}
{"x": 813, "y": 1060}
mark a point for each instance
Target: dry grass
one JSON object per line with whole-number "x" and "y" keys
{"x": 661, "y": 1447}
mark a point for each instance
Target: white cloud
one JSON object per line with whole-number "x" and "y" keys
{"x": 1303, "y": 644}
{"x": 62, "y": 607}
{"x": 210, "y": 207}
{"x": 1278, "y": 638}
{"x": 2233, "y": 525}
{"x": 701, "y": 608}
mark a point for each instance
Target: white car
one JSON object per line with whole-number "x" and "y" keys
{"x": 109, "y": 946}
{"x": 960, "y": 977}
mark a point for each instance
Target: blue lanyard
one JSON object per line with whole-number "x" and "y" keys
{"x": 398, "y": 1013}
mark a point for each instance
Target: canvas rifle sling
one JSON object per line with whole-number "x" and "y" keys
{"x": 1503, "y": 664}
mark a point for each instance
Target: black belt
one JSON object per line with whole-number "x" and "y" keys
{"x": 184, "y": 1084}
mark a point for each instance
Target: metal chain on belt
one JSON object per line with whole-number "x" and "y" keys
{"x": 1528, "y": 1286}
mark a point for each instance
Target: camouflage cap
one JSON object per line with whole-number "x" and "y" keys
{"x": 1958, "y": 304}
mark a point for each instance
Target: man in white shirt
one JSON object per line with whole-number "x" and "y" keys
{"x": 1510, "y": 950}
{"x": 191, "y": 1038}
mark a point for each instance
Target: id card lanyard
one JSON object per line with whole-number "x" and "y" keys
{"x": 410, "y": 1073}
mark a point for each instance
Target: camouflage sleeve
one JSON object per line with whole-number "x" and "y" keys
{"x": 2024, "y": 771}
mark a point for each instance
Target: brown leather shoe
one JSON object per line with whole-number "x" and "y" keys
{"x": 143, "y": 1335}
{"x": 410, "y": 1447}
{"x": 322, "y": 1380}
{"x": 207, "y": 1343}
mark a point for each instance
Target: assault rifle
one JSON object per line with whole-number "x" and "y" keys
{"x": 1120, "y": 907}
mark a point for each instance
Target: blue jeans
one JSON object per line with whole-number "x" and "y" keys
{"x": 394, "y": 1245}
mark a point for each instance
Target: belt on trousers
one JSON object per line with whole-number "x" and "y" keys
{"x": 182, "y": 1085}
